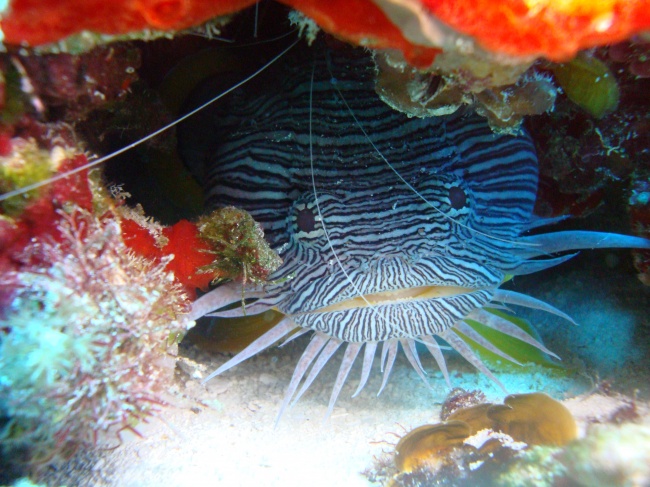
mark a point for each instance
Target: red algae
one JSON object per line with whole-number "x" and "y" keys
{"x": 34, "y": 214}
{"x": 182, "y": 241}
{"x": 37, "y": 214}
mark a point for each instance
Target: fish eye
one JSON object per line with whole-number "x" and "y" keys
{"x": 306, "y": 220}
{"x": 448, "y": 190}
{"x": 457, "y": 197}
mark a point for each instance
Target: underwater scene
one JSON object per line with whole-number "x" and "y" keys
{"x": 391, "y": 243}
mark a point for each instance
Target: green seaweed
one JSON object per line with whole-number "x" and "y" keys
{"x": 589, "y": 83}
{"x": 27, "y": 165}
{"x": 14, "y": 98}
{"x": 520, "y": 351}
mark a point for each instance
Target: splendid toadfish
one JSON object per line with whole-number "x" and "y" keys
{"x": 393, "y": 230}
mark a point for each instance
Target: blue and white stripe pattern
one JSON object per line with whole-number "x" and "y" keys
{"x": 360, "y": 230}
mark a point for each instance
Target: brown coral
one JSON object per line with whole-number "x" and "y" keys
{"x": 504, "y": 94}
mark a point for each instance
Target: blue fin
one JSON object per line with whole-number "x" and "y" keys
{"x": 532, "y": 266}
{"x": 537, "y": 222}
{"x": 549, "y": 243}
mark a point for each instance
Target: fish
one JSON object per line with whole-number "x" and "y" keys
{"x": 393, "y": 230}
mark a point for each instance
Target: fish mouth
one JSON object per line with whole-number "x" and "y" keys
{"x": 397, "y": 296}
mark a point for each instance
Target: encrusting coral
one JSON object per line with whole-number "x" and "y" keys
{"x": 93, "y": 299}
{"x": 482, "y": 53}
{"x": 503, "y": 94}
{"x": 237, "y": 242}
{"x": 83, "y": 352}
{"x": 556, "y": 30}
{"x": 531, "y": 440}
{"x": 474, "y": 443}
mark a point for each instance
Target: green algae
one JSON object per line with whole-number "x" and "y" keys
{"x": 589, "y": 83}
{"x": 25, "y": 166}
{"x": 520, "y": 351}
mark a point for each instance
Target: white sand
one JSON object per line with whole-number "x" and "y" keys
{"x": 224, "y": 434}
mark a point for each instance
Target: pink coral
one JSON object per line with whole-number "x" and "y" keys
{"x": 84, "y": 343}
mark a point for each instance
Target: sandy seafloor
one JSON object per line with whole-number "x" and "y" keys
{"x": 224, "y": 433}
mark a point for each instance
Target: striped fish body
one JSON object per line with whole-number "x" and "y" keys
{"x": 393, "y": 230}
{"x": 289, "y": 150}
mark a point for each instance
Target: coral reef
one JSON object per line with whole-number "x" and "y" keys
{"x": 33, "y": 214}
{"x": 182, "y": 241}
{"x": 607, "y": 456}
{"x": 639, "y": 207}
{"x": 504, "y": 94}
{"x": 70, "y": 87}
{"x": 471, "y": 438}
{"x": 49, "y": 100}
{"x": 83, "y": 351}
{"x": 488, "y": 52}
{"x": 582, "y": 157}
{"x": 480, "y": 54}
{"x": 420, "y": 29}
{"x": 44, "y": 22}
{"x": 46, "y": 97}
{"x": 610, "y": 456}
{"x": 36, "y": 214}
{"x": 94, "y": 297}
{"x": 224, "y": 245}
{"x": 531, "y": 440}
{"x": 518, "y": 28}
{"x": 93, "y": 293}
{"x": 237, "y": 242}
